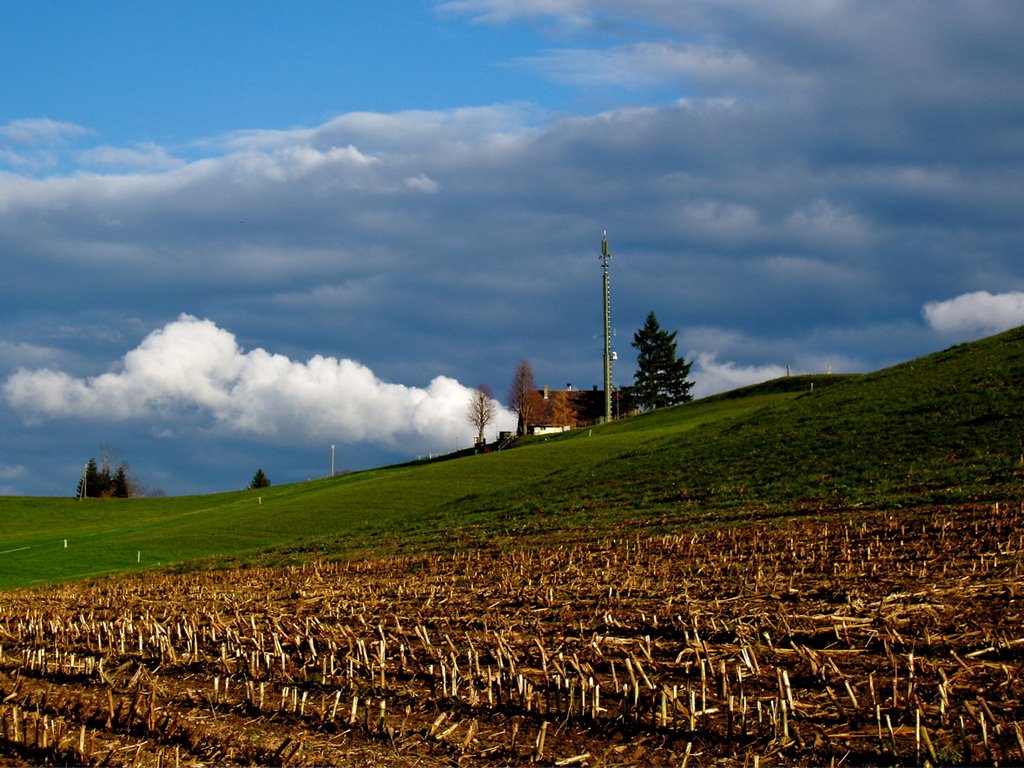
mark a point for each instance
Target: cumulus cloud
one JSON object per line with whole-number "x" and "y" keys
{"x": 711, "y": 376}
{"x": 806, "y": 175}
{"x": 191, "y": 365}
{"x": 980, "y": 311}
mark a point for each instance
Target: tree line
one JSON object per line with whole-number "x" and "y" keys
{"x": 101, "y": 481}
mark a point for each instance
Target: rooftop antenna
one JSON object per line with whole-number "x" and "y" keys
{"x": 605, "y": 257}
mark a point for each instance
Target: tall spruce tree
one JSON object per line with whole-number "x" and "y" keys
{"x": 120, "y": 486}
{"x": 660, "y": 377}
{"x": 259, "y": 480}
{"x": 90, "y": 484}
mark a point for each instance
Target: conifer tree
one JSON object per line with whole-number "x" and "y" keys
{"x": 99, "y": 482}
{"x": 120, "y": 487}
{"x": 89, "y": 484}
{"x": 259, "y": 480}
{"x": 660, "y": 378}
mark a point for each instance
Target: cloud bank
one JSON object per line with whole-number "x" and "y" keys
{"x": 784, "y": 183}
{"x": 191, "y": 366}
{"x": 711, "y": 376}
{"x": 977, "y": 312}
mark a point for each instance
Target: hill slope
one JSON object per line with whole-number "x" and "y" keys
{"x": 943, "y": 429}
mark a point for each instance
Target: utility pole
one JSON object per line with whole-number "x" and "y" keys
{"x": 605, "y": 256}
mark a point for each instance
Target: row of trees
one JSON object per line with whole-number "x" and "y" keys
{"x": 660, "y": 380}
{"x": 100, "y": 481}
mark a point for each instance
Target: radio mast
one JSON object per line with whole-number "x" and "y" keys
{"x": 605, "y": 256}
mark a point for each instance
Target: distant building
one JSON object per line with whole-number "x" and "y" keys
{"x": 559, "y": 410}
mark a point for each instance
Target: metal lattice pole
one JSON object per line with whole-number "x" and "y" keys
{"x": 605, "y": 256}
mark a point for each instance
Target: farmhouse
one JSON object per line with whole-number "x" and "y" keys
{"x": 559, "y": 410}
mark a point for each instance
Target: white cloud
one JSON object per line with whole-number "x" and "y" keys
{"x": 710, "y": 376}
{"x": 824, "y": 223}
{"x": 498, "y": 11}
{"x": 15, "y": 355}
{"x": 421, "y": 183}
{"x": 146, "y": 156}
{"x": 11, "y": 472}
{"x": 980, "y": 311}
{"x": 41, "y": 130}
{"x": 718, "y": 220}
{"x": 412, "y": 130}
{"x": 34, "y": 144}
{"x": 10, "y": 476}
{"x": 191, "y": 365}
{"x": 640, "y": 64}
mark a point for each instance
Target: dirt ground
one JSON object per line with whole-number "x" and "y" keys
{"x": 856, "y": 638}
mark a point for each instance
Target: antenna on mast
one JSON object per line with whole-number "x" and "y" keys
{"x": 605, "y": 257}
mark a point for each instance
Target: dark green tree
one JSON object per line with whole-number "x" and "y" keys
{"x": 660, "y": 377}
{"x": 100, "y": 481}
{"x": 89, "y": 484}
{"x": 259, "y": 480}
{"x": 120, "y": 486}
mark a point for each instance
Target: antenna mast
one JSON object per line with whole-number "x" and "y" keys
{"x": 605, "y": 256}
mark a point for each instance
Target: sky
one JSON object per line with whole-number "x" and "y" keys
{"x": 234, "y": 235}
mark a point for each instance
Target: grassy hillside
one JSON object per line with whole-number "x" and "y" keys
{"x": 944, "y": 429}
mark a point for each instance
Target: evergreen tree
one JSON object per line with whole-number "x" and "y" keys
{"x": 660, "y": 378}
{"x": 96, "y": 482}
{"x": 89, "y": 483}
{"x": 119, "y": 486}
{"x": 259, "y": 480}
{"x": 99, "y": 482}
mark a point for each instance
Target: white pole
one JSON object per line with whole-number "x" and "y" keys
{"x": 332, "y": 459}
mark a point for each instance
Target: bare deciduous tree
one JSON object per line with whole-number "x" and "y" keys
{"x": 522, "y": 397}
{"x": 481, "y": 410}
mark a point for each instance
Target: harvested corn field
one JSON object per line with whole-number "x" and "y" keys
{"x": 859, "y": 638}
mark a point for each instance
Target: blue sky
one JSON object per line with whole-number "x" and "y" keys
{"x": 181, "y": 72}
{"x": 234, "y": 234}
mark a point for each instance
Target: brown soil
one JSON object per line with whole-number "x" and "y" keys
{"x": 862, "y": 638}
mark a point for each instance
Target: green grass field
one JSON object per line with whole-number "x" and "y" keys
{"x": 943, "y": 429}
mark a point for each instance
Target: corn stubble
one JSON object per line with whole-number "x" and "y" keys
{"x": 860, "y": 639}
